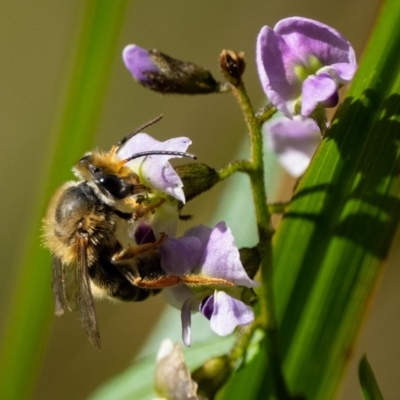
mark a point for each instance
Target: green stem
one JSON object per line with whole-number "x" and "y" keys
{"x": 236, "y": 166}
{"x": 277, "y": 208}
{"x": 265, "y": 232}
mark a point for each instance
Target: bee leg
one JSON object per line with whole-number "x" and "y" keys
{"x": 133, "y": 251}
{"x": 165, "y": 281}
{"x": 141, "y": 212}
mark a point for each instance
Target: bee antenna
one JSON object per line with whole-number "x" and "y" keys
{"x": 161, "y": 153}
{"x": 137, "y": 130}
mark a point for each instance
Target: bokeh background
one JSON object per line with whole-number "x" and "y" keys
{"x": 37, "y": 42}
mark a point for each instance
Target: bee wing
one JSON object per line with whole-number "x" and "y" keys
{"x": 58, "y": 284}
{"x": 84, "y": 297}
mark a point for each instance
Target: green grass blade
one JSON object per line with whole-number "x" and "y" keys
{"x": 29, "y": 317}
{"x": 369, "y": 385}
{"x": 330, "y": 247}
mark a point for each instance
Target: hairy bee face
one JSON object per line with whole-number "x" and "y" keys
{"x": 109, "y": 176}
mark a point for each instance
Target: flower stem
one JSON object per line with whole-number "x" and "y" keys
{"x": 236, "y": 166}
{"x": 265, "y": 232}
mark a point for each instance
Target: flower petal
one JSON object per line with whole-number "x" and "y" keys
{"x": 180, "y": 256}
{"x": 316, "y": 89}
{"x": 294, "y": 141}
{"x": 278, "y": 81}
{"x": 186, "y": 322}
{"x": 155, "y": 171}
{"x": 228, "y": 314}
{"x": 138, "y": 62}
{"x": 221, "y": 258}
{"x": 342, "y": 73}
{"x": 309, "y": 37}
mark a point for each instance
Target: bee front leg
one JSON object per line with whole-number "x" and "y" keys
{"x": 133, "y": 251}
{"x": 141, "y": 212}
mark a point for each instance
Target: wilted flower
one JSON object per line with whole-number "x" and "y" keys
{"x": 172, "y": 376}
{"x": 207, "y": 252}
{"x": 294, "y": 141}
{"x": 302, "y": 61}
{"x": 162, "y": 73}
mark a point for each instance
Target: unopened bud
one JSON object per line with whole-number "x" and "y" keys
{"x": 212, "y": 375}
{"x": 197, "y": 178}
{"x": 162, "y": 73}
{"x": 232, "y": 66}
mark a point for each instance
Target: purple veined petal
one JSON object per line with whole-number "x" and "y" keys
{"x": 316, "y": 89}
{"x": 138, "y": 61}
{"x": 341, "y": 73}
{"x": 155, "y": 171}
{"x": 180, "y": 256}
{"x": 276, "y": 71}
{"x": 309, "y": 37}
{"x": 229, "y": 313}
{"x": 294, "y": 142}
{"x": 221, "y": 258}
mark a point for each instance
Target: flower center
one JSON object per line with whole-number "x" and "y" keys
{"x": 311, "y": 67}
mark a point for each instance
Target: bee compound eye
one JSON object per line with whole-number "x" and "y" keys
{"x": 116, "y": 186}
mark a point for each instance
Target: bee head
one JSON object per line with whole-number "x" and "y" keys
{"x": 108, "y": 175}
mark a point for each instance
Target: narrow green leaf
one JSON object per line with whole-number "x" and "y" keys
{"x": 369, "y": 385}
{"x": 73, "y": 133}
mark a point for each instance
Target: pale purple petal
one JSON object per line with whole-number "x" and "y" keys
{"x": 316, "y": 89}
{"x": 228, "y": 313}
{"x": 180, "y": 256}
{"x": 309, "y": 37}
{"x": 221, "y": 258}
{"x": 342, "y": 73}
{"x": 186, "y": 323}
{"x": 179, "y": 294}
{"x": 138, "y": 62}
{"x": 294, "y": 141}
{"x": 278, "y": 80}
{"x": 155, "y": 171}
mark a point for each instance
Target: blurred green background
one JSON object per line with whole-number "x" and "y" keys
{"x": 37, "y": 46}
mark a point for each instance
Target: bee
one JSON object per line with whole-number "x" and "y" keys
{"x": 86, "y": 230}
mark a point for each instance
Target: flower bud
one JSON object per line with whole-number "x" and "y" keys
{"x": 197, "y": 178}
{"x": 162, "y": 73}
{"x": 212, "y": 375}
{"x": 232, "y": 66}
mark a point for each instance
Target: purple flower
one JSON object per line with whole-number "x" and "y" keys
{"x": 155, "y": 171}
{"x": 302, "y": 61}
{"x": 207, "y": 252}
{"x": 294, "y": 141}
